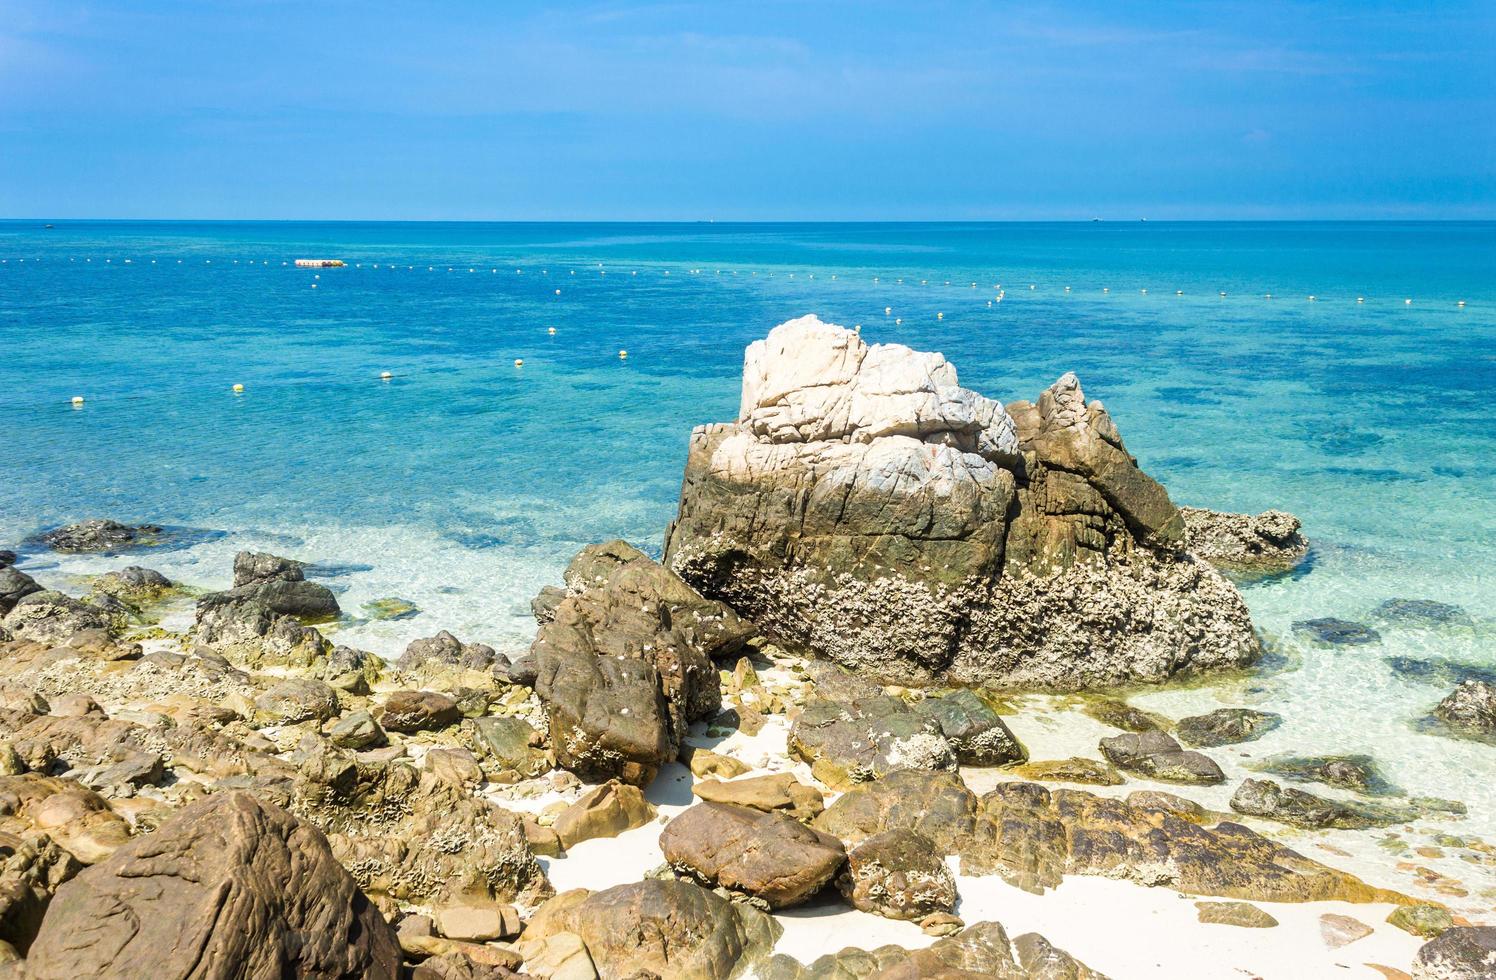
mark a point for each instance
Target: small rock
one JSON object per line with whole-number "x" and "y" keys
{"x": 1120, "y": 714}
{"x": 1226, "y": 726}
{"x": 1426, "y": 921}
{"x": 1342, "y": 930}
{"x": 296, "y": 700}
{"x": 768, "y": 856}
{"x": 1359, "y": 773}
{"x": 898, "y": 874}
{"x": 390, "y": 608}
{"x": 1156, "y": 755}
{"x": 419, "y": 711}
{"x": 454, "y": 765}
{"x": 1089, "y": 772}
{"x": 1241, "y": 914}
{"x": 561, "y": 956}
{"x": 15, "y": 585}
{"x": 1265, "y": 798}
{"x": 606, "y": 811}
{"x": 478, "y": 923}
{"x": 358, "y": 730}
{"x": 703, "y": 762}
{"x": 1336, "y": 632}
{"x": 975, "y": 732}
{"x": 941, "y": 924}
{"x": 775, "y": 791}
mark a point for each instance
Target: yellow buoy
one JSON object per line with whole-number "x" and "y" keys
{"x": 77, "y": 401}
{"x": 238, "y": 388}
{"x": 519, "y": 362}
{"x": 385, "y": 375}
{"x": 940, "y": 316}
{"x": 623, "y": 354}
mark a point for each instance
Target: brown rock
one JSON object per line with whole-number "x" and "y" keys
{"x": 1234, "y": 914}
{"x": 776, "y": 791}
{"x": 766, "y": 855}
{"x": 419, "y": 711}
{"x": 237, "y": 888}
{"x": 606, "y": 811}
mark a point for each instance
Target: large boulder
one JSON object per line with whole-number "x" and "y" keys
{"x": 1470, "y": 708}
{"x": 1465, "y": 953}
{"x": 229, "y": 887}
{"x": 898, "y": 874}
{"x": 626, "y": 663}
{"x": 668, "y": 929}
{"x": 52, "y": 617}
{"x": 263, "y": 619}
{"x": 866, "y": 506}
{"x": 768, "y": 856}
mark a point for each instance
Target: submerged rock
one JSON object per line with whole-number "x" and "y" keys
{"x": 626, "y": 664}
{"x": 235, "y": 888}
{"x": 1359, "y": 773}
{"x": 1257, "y": 544}
{"x": 1265, "y": 798}
{"x": 866, "y": 507}
{"x": 391, "y": 608}
{"x": 1226, "y": 726}
{"x": 1120, "y": 714}
{"x": 767, "y": 856}
{"x": 101, "y": 535}
{"x": 1336, "y": 632}
{"x": 1158, "y": 756}
{"x": 1421, "y": 612}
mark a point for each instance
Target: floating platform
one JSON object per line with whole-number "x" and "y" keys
{"x": 320, "y": 263}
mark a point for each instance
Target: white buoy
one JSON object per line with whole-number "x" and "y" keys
{"x": 1143, "y": 291}
{"x": 1106, "y": 289}
{"x": 314, "y": 285}
{"x": 519, "y": 362}
{"x": 1311, "y": 298}
{"x": 558, "y": 292}
{"x": 385, "y": 375}
{"x": 1460, "y": 304}
{"x": 887, "y": 310}
{"x": 1067, "y": 289}
{"x": 898, "y": 320}
{"x": 1223, "y": 292}
{"x": 1407, "y": 302}
{"x": 77, "y": 401}
{"x": 1178, "y": 292}
{"x": 1360, "y": 299}
{"x": 940, "y": 316}
{"x": 238, "y": 389}
{"x": 550, "y": 330}
{"x": 1032, "y": 286}
{"x": 623, "y": 354}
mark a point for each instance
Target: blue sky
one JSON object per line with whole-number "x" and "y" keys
{"x": 764, "y": 110}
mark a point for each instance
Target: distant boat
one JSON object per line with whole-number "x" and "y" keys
{"x": 320, "y": 263}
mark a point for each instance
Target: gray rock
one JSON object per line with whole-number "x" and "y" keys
{"x": 1421, "y": 612}
{"x": 768, "y": 856}
{"x": 252, "y": 567}
{"x": 626, "y": 665}
{"x": 975, "y": 732}
{"x": 15, "y": 585}
{"x": 447, "y": 650}
{"x": 295, "y": 700}
{"x": 1265, "y": 798}
{"x": 357, "y": 730}
{"x": 237, "y": 888}
{"x": 1462, "y": 953}
{"x": 1158, "y": 756}
{"x": 898, "y": 874}
{"x": 866, "y": 507}
{"x": 1471, "y": 707}
{"x": 101, "y": 535}
{"x": 512, "y": 744}
{"x": 7, "y": 558}
{"x": 1336, "y": 632}
{"x": 51, "y": 617}
{"x": 1264, "y": 543}
{"x": 849, "y": 743}
{"x": 1226, "y": 726}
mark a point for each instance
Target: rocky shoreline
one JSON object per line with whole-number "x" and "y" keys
{"x": 819, "y": 700}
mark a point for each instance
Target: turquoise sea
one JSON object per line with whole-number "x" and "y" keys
{"x": 464, "y": 483}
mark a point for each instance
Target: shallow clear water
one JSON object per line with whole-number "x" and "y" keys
{"x": 465, "y": 483}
